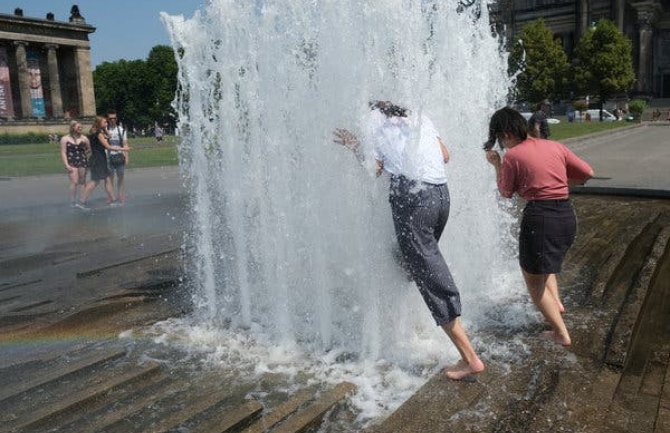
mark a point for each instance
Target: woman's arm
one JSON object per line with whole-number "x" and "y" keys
{"x": 63, "y": 153}
{"x": 106, "y": 145}
{"x": 578, "y": 170}
{"x": 443, "y": 149}
{"x": 505, "y": 185}
{"x": 347, "y": 139}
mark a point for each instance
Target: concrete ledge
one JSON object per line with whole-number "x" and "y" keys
{"x": 621, "y": 192}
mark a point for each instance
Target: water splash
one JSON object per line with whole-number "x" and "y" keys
{"x": 293, "y": 240}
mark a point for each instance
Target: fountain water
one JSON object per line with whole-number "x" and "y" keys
{"x": 293, "y": 239}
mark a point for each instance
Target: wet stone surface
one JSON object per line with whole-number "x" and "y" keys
{"x": 78, "y": 295}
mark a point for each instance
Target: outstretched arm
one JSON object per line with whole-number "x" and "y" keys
{"x": 349, "y": 140}
{"x": 106, "y": 145}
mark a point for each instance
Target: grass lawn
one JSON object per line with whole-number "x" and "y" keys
{"x": 566, "y": 129}
{"x": 44, "y": 158}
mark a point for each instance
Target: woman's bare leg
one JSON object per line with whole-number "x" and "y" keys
{"x": 547, "y": 305}
{"x": 552, "y": 286}
{"x": 81, "y": 184}
{"x": 88, "y": 189}
{"x": 109, "y": 187}
{"x": 470, "y": 362}
{"x": 74, "y": 181}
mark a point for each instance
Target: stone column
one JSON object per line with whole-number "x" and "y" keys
{"x": 54, "y": 81}
{"x": 620, "y": 11}
{"x": 24, "y": 79}
{"x": 85, "y": 82}
{"x": 583, "y": 17}
{"x": 647, "y": 15}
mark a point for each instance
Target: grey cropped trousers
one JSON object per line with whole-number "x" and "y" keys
{"x": 420, "y": 212}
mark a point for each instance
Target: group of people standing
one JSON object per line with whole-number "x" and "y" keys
{"x": 104, "y": 153}
{"x": 410, "y": 150}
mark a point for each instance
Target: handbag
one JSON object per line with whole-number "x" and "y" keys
{"x": 117, "y": 158}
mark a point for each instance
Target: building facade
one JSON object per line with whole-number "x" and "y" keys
{"x": 645, "y": 22}
{"x": 45, "y": 68}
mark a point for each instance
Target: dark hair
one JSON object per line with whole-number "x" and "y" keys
{"x": 111, "y": 111}
{"x": 388, "y": 108}
{"x": 506, "y": 121}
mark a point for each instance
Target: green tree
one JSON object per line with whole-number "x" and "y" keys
{"x": 604, "y": 64}
{"x": 141, "y": 91}
{"x": 163, "y": 69}
{"x": 540, "y": 62}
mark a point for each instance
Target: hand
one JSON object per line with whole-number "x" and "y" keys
{"x": 346, "y": 139}
{"x": 69, "y": 169}
{"x": 493, "y": 157}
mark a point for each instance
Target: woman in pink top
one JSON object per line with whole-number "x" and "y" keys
{"x": 540, "y": 171}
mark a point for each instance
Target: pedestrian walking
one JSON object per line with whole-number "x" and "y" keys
{"x": 98, "y": 161}
{"x": 118, "y": 161}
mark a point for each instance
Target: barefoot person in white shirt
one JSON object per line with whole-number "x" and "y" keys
{"x": 420, "y": 202}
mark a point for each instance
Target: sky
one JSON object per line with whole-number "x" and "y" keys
{"x": 125, "y": 29}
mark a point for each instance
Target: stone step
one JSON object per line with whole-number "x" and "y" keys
{"x": 120, "y": 404}
{"x": 170, "y": 413}
{"x": 41, "y": 416}
{"x": 58, "y": 374}
{"x": 312, "y": 414}
{"x": 607, "y": 273}
{"x": 281, "y": 412}
{"x": 662, "y": 423}
{"x": 424, "y": 412}
{"x": 629, "y": 318}
{"x": 231, "y": 420}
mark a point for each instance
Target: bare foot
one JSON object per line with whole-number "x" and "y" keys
{"x": 556, "y": 338}
{"x": 462, "y": 369}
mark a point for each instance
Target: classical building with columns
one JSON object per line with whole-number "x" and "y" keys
{"x": 45, "y": 69}
{"x": 645, "y": 22}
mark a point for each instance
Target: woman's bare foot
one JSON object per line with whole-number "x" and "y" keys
{"x": 556, "y": 338}
{"x": 462, "y": 369}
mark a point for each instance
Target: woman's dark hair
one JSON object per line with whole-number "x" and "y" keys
{"x": 388, "y": 108}
{"x": 506, "y": 121}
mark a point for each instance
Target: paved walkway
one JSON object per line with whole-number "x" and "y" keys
{"x": 635, "y": 158}
{"x": 18, "y": 192}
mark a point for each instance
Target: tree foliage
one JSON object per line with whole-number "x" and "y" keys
{"x": 541, "y": 63}
{"x": 604, "y": 62}
{"x": 141, "y": 91}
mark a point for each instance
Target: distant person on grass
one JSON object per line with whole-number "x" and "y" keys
{"x": 158, "y": 133}
{"x": 73, "y": 150}
{"x": 99, "y": 140}
{"x": 118, "y": 161}
{"x": 538, "y": 126}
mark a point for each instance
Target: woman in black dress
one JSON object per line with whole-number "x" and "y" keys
{"x": 98, "y": 161}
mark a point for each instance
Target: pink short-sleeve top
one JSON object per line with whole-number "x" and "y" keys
{"x": 538, "y": 169}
